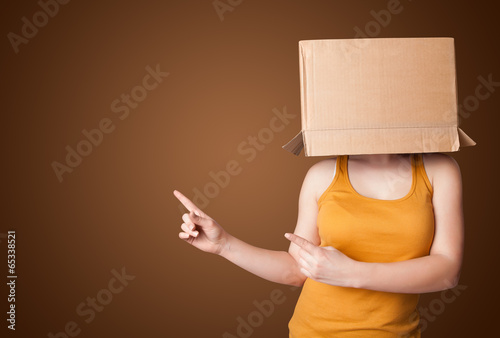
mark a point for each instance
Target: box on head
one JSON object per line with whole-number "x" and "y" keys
{"x": 378, "y": 96}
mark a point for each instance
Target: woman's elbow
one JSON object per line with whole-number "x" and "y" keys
{"x": 299, "y": 282}
{"x": 295, "y": 278}
{"x": 452, "y": 278}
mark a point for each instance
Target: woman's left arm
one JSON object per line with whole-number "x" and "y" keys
{"x": 440, "y": 270}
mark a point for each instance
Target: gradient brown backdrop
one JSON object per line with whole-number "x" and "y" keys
{"x": 116, "y": 209}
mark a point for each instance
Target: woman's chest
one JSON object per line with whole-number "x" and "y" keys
{"x": 378, "y": 232}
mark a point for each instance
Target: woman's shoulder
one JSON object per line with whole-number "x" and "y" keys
{"x": 320, "y": 175}
{"x": 438, "y": 165}
{"x": 324, "y": 167}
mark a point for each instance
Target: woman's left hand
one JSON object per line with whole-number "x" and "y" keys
{"x": 325, "y": 264}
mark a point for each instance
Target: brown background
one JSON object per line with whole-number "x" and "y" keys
{"x": 117, "y": 210}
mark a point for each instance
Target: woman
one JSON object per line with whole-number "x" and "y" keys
{"x": 373, "y": 232}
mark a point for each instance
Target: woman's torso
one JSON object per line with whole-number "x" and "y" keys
{"x": 371, "y": 230}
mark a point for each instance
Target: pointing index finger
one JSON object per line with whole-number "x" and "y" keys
{"x": 301, "y": 242}
{"x": 187, "y": 203}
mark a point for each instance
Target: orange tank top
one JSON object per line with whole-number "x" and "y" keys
{"x": 368, "y": 230}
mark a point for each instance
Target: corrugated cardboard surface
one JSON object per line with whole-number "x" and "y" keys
{"x": 378, "y": 96}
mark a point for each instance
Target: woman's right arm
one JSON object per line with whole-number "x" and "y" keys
{"x": 281, "y": 267}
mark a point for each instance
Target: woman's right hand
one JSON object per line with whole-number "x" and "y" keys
{"x": 200, "y": 230}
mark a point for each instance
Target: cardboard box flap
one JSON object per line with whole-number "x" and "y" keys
{"x": 350, "y": 142}
{"x": 465, "y": 140}
{"x": 295, "y": 145}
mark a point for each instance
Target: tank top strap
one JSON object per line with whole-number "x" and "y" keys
{"x": 342, "y": 168}
{"x": 423, "y": 181}
{"x": 340, "y": 178}
{"x": 338, "y": 182}
{"x": 343, "y": 164}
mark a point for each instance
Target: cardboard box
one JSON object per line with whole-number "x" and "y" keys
{"x": 378, "y": 96}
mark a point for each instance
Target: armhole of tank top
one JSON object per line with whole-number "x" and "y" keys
{"x": 334, "y": 179}
{"x": 424, "y": 174}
